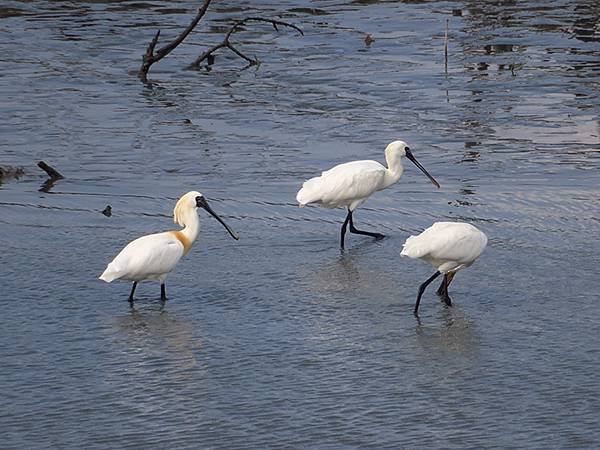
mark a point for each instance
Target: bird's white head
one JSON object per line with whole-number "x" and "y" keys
{"x": 398, "y": 149}
{"x": 185, "y": 212}
{"x": 185, "y": 205}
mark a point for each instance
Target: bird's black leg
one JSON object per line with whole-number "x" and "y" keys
{"x": 348, "y": 218}
{"x": 163, "y": 292}
{"x": 422, "y": 289}
{"x": 132, "y": 291}
{"x": 366, "y": 233}
{"x": 443, "y": 289}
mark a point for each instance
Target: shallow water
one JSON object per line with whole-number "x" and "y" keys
{"x": 278, "y": 340}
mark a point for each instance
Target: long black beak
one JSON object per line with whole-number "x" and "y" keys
{"x": 202, "y": 203}
{"x": 410, "y": 156}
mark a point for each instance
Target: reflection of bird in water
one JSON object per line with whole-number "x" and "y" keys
{"x": 339, "y": 275}
{"x": 448, "y": 246}
{"x": 350, "y": 184}
{"x": 148, "y": 330}
{"x": 455, "y": 335}
{"x": 153, "y": 256}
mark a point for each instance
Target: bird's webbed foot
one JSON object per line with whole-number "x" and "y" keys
{"x": 377, "y": 236}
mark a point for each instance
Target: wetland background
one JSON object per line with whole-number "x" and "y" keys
{"x": 278, "y": 341}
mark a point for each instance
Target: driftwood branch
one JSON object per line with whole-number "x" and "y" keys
{"x": 150, "y": 57}
{"x": 51, "y": 171}
{"x": 53, "y": 176}
{"x": 238, "y": 26}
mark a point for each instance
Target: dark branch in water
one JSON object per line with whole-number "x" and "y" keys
{"x": 47, "y": 185}
{"x": 51, "y": 171}
{"x": 150, "y": 57}
{"x": 446, "y": 48}
{"x": 53, "y": 175}
{"x": 238, "y": 26}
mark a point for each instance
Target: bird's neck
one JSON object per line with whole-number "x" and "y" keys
{"x": 394, "y": 170}
{"x": 192, "y": 227}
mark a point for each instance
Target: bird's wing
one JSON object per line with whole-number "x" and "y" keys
{"x": 447, "y": 241}
{"x": 153, "y": 254}
{"x": 344, "y": 182}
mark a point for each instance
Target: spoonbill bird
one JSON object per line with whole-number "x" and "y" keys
{"x": 449, "y": 247}
{"x": 153, "y": 256}
{"x": 350, "y": 184}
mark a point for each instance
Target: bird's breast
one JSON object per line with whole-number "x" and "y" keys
{"x": 185, "y": 241}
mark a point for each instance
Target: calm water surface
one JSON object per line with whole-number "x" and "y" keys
{"x": 278, "y": 340}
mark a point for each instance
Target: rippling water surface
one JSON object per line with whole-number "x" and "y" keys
{"x": 278, "y": 340}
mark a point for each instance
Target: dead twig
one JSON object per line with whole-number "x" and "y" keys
{"x": 209, "y": 54}
{"x": 150, "y": 57}
{"x": 51, "y": 171}
{"x": 53, "y": 176}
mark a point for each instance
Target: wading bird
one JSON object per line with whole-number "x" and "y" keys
{"x": 153, "y": 256}
{"x": 350, "y": 184}
{"x": 449, "y": 247}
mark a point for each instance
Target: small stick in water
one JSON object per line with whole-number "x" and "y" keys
{"x": 51, "y": 171}
{"x": 446, "y": 47}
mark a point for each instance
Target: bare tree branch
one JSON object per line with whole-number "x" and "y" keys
{"x": 238, "y": 26}
{"x": 150, "y": 57}
{"x": 251, "y": 61}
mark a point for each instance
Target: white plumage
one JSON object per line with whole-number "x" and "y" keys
{"x": 153, "y": 256}
{"x": 351, "y": 184}
{"x": 449, "y": 247}
{"x": 149, "y": 257}
{"x": 347, "y": 185}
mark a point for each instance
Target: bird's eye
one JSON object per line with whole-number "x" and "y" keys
{"x": 199, "y": 198}
{"x": 406, "y": 149}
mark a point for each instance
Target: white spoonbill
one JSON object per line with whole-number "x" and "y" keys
{"x": 153, "y": 256}
{"x": 449, "y": 247}
{"x": 350, "y": 184}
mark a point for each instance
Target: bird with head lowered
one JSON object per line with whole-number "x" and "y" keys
{"x": 449, "y": 247}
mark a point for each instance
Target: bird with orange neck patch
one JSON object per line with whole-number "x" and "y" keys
{"x": 153, "y": 256}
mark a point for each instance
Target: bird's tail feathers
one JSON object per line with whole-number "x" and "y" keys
{"x": 110, "y": 274}
{"x": 306, "y": 195}
{"x": 301, "y": 197}
{"x": 413, "y": 248}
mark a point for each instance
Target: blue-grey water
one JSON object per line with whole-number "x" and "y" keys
{"x": 278, "y": 340}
